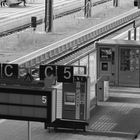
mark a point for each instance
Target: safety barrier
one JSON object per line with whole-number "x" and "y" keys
{"x": 73, "y": 42}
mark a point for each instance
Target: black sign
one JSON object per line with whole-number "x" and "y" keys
{"x": 25, "y": 104}
{"x": 9, "y": 71}
{"x": 80, "y": 79}
{"x": 46, "y": 70}
{"x": 106, "y": 54}
{"x": 65, "y": 74}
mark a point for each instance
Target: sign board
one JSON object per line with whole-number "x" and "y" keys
{"x": 63, "y": 73}
{"x": 106, "y": 54}
{"x": 9, "y": 71}
{"x": 25, "y": 104}
{"x": 46, "y": 70}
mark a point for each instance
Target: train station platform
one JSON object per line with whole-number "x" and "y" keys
{"x": 117, "y": 117}
{"x": 112, "y": 120}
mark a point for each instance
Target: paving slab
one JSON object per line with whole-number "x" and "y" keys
{"x": 18, "y": 130}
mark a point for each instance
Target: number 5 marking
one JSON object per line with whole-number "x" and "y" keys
{"x": 67, "y": 73}
{"x": 44, "y": 99}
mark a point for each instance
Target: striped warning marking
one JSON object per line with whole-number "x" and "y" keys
{"x": 103, "y": 124}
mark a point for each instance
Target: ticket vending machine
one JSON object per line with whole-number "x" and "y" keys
{"x": 75, "y": 99}
{"x": 106, "y": 62}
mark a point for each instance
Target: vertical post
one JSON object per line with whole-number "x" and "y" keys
{"x": 87, "y": 9}
{"x": 115, "y": 3}
{"x": 29, "y": 131}
{"x": 134, "y": 24}
{"x": 135, "y": 33}
{"x": 135, "y": 30}
{"x": 45, "y": 125}
{"x": 48, "y": 15}
{"x": 139, "y": 32}
{"x": 129, "y": 35}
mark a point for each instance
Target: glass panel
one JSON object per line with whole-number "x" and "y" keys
{"x": 129, "y": 60}
{"x": 125, "y": 60}
{"x": 76, "y": 68}
{"x": 92, "y": 68}
{"x": 84, "y": 62}
{"x": 92, "y": 74}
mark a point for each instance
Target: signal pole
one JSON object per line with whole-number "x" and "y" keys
{"x": 48, "y": 15}
{"x": 87, "y": 9}
{"x": 115, "y": 3}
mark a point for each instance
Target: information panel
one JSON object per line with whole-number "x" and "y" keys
{"x": 106, "y": 54}
{"x": 25, "y": 104}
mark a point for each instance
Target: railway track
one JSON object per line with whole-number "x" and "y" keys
{"x": 8, "y": 26}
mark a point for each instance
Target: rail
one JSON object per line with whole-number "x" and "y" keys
{"x": 8, "y": 26}
{"x": 75, "y": 42}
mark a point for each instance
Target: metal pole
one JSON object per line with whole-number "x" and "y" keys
{"x": 135, "y": 33}
{"x": 129, "y": 35}
{"x": 139, "y": 32}
{"x": 50, "y": 15}
{"x": 45, "y": 15}
{"x": 87, "y": 8}
{"x": 29, "y": 130}
{"x": 115, "y": 3}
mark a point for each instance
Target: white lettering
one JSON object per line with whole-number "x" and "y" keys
{"x": 6, "y": 70}
{"x": 67, "y": 74}
{"x": 47, "y": 69}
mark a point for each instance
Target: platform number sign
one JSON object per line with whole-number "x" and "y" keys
{"x": 65, "y": 74}
{"x": 62, "y": 73}
{"x": 9, "y": 71}
{"x": 45, "y": 70}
